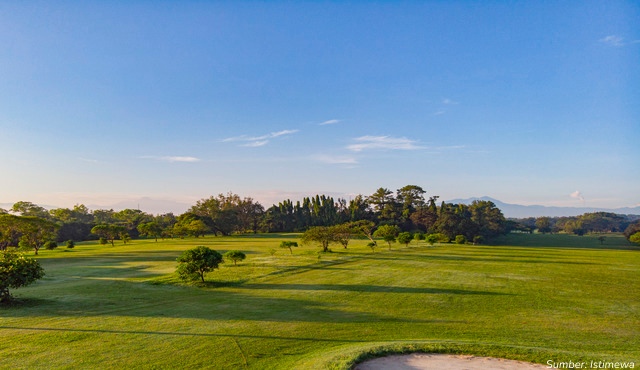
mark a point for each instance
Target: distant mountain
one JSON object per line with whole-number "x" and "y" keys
{"x": 520, "y": 211}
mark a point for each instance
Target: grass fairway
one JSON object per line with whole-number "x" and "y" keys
{"x": 122, "y": 307}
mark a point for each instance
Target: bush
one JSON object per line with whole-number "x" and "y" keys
{"x": 235, "y": 256}
{"x": 103, "y": 241}
{"x": 50, "y": 245}
{"x": 460, "y": 239}
{"x": 70, "y": 244}
{"x": 478, "y": 239}
{"x": 16, "y": 271}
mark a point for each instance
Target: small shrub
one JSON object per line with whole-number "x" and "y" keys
{"x": 460, "y": 239}
{"x": 50, "y": 245}
{"x": 103, "y": 241}
{"x": 71, "y": 244}
{"x": 272, "y": 252}
{"x": 478, "y": 239}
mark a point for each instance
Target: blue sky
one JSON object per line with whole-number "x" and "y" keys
{"x": 528, "y": 102}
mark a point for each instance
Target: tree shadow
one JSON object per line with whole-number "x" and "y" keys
{"x": 367, "y": 289}
{"x": 124, "y": 298}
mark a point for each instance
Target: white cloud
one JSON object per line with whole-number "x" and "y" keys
{"x": 613, "y": 40}
{"x": 440, "y": 112}
{"x": 383, "y": 142}
{"x": 335, "y": 159}
{"x": 577, "y": 195}
{"x": 256, "y": 141}
{"x": 256, "y": 144}
{"x": 172, "y": 159}
{"x": 330, "y": 122}
{"x": 447, "y": 101}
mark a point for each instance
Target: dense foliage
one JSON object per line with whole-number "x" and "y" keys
{"x": 17, "y": 271}
{"x": 596, "y": 222}
{"x": 407, "y": 210}
{"x": 194, "y": 264}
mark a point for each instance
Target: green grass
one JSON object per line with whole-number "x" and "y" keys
{"x": 122, "y": 307}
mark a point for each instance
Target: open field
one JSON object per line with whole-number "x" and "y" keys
{"x": 122, "y": 307}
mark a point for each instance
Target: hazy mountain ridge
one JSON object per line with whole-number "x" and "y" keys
{"x": 519, "y": 211}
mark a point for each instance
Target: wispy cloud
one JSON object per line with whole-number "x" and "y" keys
{"x": 440, "y": 112}
{"x": 383, "y": 143}
{"x": 173, "y": 159}
{"x": 330, "y": 122}
{"x": 335, "y": 159}
{"x": 255, "y": 144}
{"x": 257, "y": 141}
{"x": 447, "y": 101}
{"x": 577, "y": 195}
{"x": 612, "y": 40}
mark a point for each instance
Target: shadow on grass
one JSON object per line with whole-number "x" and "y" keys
{"x": 366, "y": 289}
{"x": 122, "y": 298}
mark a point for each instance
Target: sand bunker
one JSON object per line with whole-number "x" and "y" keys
{"x": 427, "y": 361}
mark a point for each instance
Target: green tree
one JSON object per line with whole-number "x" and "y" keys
{"x": 30, "y": 209}
{"x": 432, "y": 239}
{"x": 17, "y": 271}
{"x": 235, "y": 256}
{"x": 289, "y": 245}
{"x": 319, "y": 234}
{"x": 194, "y": 264}
{"x": 460, "y": 239}
{"x": 108, "y": 231}
{"x": 150, "y": 229}
{"x": 388, "y": 233}
{"x": 635, "y": 238}
{"x": 36, "y": 231}
{"x": 543, "y": 224}
{"x": 405, "y": 238}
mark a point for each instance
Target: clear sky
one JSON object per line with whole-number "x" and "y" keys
{"x": 529, "y": 102}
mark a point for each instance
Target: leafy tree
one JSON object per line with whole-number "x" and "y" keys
{"x": 36, "y": 231}
{"x": 124, "y": 236}
{"x": 388, "y": 233}
{"x": 319, "y": 234}
{"x": 235, "y": 256}
{"x": 410, "y": 198}
{"x": 478, "y": 239}
{"x": 405, "y": 238}
{"x": 108, "y": 231}
{"x": 432, "y": 239}
{"x": 635, "y": 238}
{"x": 30, "y": 209}
{"x": 194, "y": 264}
{"x": 385, "y": 205}
{"x": 343, "y": 233}
{"x": 71, "y": 244}
{"x": 289, "y": 245}
{"x": 460, "y": 239}
{"x": 150, "y": 229}
{"x": 418, "y": 236}
{"x": 16, "y": 271}
{"x": 543, "y": 224}
{"x": 373, "y": 246}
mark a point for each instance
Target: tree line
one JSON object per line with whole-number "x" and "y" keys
{"x": 408, "y": 209}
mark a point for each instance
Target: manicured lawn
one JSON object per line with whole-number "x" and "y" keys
{"x": 122, "y": 307}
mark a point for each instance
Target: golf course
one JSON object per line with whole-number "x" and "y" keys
{"x": 529, "y": 297}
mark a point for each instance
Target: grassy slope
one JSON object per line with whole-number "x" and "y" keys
{"x": 115, "y": 307}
